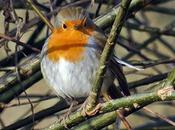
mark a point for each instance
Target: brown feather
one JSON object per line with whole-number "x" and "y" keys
{"x": 70, "y": 14}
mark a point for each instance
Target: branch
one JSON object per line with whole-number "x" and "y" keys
{"x": 97, "y": 122}
{"x": 148, "y": 29}
{"x": 13, "y": 39}
{"x": 39, "y": 115}
{"x": 107, "y": 52}
{"x": 139, "y": 100}
{"x": 17, "y": 89}
{"x": 41, "y": 15}
{"x": 162, "y": 10}
{"x": 151, "y": 63}
{"x": 107, "y": 19}
{"x": 110, "y": 117}
{"x": 147, "y": 80}
{"x": 158, "y": 124}
{"x": 28, "y": 66}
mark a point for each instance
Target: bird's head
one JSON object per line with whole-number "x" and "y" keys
{"x": 71, "y": 34}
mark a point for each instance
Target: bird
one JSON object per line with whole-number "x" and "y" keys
{"x": 71, "y": 55}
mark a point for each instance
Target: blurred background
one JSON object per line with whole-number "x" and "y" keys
{"x": 146, "y": 41}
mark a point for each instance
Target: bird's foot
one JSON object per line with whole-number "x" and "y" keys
{"x": 65, "y": 116}
{"x": 94, "y": 111}
{"x": 86, "y": 112}
{"x": 63, "y": 119}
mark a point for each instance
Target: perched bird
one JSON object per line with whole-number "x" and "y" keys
{"x": 71, "y": 54}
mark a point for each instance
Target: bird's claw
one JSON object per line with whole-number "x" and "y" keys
{"x": 91, "y": 112}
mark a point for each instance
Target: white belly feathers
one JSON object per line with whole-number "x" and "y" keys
{"x": 71, "y": 80}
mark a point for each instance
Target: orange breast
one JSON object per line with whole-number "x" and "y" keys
{"x": 68, "y": 44}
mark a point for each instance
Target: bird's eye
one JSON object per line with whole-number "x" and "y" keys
{"x": 64, "y": 26}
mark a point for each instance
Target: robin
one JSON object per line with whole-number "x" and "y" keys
{"x": 71, "y": 54}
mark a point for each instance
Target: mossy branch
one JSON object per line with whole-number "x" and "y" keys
{"x": 106, "y": 119}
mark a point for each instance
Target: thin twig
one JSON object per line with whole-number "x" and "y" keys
{"x": 152, "y": 30}
{"x": 151, "y": 39}
{"x": 124, "y": 120}
{"x": 163, "y": 117}
{"x": 27, "y": 103}
{"x": 41, "y": 15}
{"x": 19, "y": 42}
{"x": 151, "y": 63}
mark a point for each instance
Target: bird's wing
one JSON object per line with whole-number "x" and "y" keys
{"x": 113, "y": 65}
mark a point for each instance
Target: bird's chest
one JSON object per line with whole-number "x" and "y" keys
{"x": 71, "y": 79}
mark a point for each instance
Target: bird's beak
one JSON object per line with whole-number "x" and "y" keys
{"x": 80, "y": 26}
{"x": 77, "y": 27}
